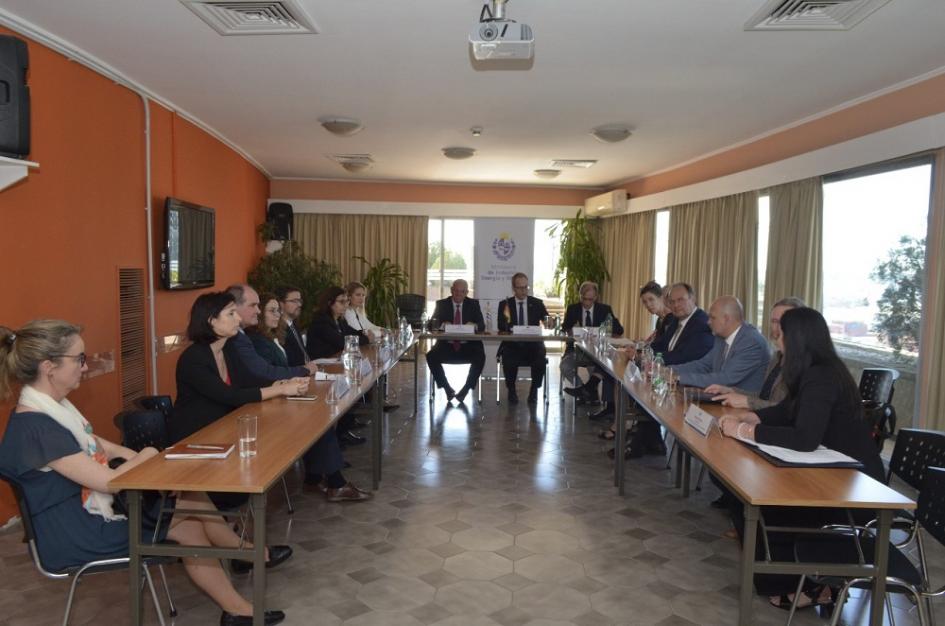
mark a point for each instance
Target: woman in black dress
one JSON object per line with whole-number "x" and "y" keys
{"x": 326, "y": 334}
{"x": 268, "y": 336}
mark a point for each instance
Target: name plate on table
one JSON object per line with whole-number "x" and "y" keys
{"x": 700, "y": 420}
{"x": 526, "y": 330}
{"x": 327, "y": 376}
{"x": 342, "y": 385}
{"x": 583, "y": 332}
{"x": 366, "y": 367}
{"x": 460, "y": 329}
{"x": 632, "y": 374}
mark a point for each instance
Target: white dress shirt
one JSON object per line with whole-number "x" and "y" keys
{"x": 358, "y": 320}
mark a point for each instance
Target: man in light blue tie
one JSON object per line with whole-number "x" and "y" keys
{"x": 739, "y": 356}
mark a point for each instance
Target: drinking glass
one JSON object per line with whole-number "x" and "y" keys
{"x": 247, "y": 428}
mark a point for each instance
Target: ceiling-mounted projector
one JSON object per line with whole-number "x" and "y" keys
{"x": 496, "y": 37}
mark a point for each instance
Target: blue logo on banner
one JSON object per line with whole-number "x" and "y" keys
{"x": 503, "y": 247}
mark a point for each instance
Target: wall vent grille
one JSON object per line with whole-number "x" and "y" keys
{"x": 582, "y": 163}
{"x": 253, "y": 17}
{"x": 812, "y": 14}
{"x": 132, "y": 341}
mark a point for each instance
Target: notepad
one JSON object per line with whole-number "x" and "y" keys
{"x": 199, "y": 451}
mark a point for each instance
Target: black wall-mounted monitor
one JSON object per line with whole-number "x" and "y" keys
{"x": 188, "y": 259}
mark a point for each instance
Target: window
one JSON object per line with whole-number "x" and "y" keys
{"x": 875, "y": 226}
{"x": 547, "y": 253}
{"x": 661, "y": 260}
{"x": 450, "y": 257}
{"x": 764, "y": 215}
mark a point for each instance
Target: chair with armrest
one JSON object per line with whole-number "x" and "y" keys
{"x": 92, "y": 567}
{"x": 877, "y": 385}
{"x": 412, "y": 306}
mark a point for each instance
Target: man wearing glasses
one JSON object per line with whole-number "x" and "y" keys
{"x": 522, "y": 310}
{"x": 291, "y": 300}
{"x": 588, "y": 313}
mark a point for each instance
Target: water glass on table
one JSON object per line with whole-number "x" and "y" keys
{"x": 247, "y": 425}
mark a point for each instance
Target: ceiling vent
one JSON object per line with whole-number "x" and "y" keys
{"x": 812, "y": 14}
{"x": 353, "y": 162}
{"x": 582, "y": 163}
{"x": 253, "y": 17}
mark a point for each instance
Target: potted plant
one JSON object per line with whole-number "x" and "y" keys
{"x": 581, "y": 257}
{"x": 384, "y": 280}
{"x": 291, "y": 266}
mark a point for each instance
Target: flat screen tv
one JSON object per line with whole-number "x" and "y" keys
{"x": 187, "y": 261}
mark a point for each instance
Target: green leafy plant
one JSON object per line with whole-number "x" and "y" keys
{"x": 900, "y": 307}
{"x": 266, "y": 231}
{"x": 581, "y": 257}
{"x": 291, "y": 266}
{"x": 384, "y": 280}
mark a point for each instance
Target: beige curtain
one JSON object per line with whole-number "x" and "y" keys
{"x": 628, "y": 243}
{"x": 931, "y": 374}
{"x": 337, "y": 238}
{"x": 795, "y": 246}
{"x": 713, "y": 246}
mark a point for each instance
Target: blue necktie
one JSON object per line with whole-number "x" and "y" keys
{"x": 521, "y": 315}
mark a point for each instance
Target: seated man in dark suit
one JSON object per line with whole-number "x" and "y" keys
{"x": 521, "y": 310}
{"x": 458, "y": 309}
{"x": 588, "y": 313}
{"x": 290, "y": 299}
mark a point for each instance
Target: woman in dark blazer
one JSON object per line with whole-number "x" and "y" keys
{"x": 326, "y": 334}
{"x": 822, "y": 407}
{"x": 205, "y": 371}
{"x": 268, "y": 336}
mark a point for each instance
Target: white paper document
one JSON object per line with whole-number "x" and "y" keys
{"x": 526, "y": 330}
{"x": 820, "y": 456}
{"x": 327, "y": 361}
{"x": 620, "y": 342}
{"x": 326, "y": 376}
{"x": 582, "y": 332}
{"x": 460, "y": 329}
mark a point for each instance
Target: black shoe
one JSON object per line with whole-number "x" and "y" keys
{"x": 658, "y": 449}
{"x": 606, "y": 414}
{"x": 356, "y": 423}
{"x": 450, "y": 394}
{"x": 390, "y": 406}
{"x": 461, "y": 394}
{"x": 533, "y": 395}
{"x": 349, "y": 438}
{"x": 513, "y": 397}
{"x": 633, "y": 452}
{"x": 277, "y": 555}
{"x": 576, "y": 392}
{"x": 720, "y": 503}
{"x": 271, "y": 617}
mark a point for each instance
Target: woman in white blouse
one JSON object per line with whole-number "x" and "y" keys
{"x": 355, "y": 315}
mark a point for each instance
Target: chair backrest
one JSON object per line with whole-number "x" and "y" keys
{"x": 412, "y": 306}
{"x": 27, "y": 520}
{"x": 916, "y": 451}
{"x": 877, "y": 385}
{"x": 164, "y": 404}
{"x": 931, "y": 505}
{"x": 140, "y": 429}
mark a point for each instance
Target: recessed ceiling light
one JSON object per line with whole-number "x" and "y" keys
{"x": 611, "y": 133}
{"x": 458, "y": 152}
{"x": 476, "y": 131}
{"x": 582, "y": 163}
{"x": 343, "y": 126}
{"x": 353, "y": 162}
{"x": 547, "y": 173}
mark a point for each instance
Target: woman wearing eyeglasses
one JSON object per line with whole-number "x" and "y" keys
{"x": 268, "y": 336}
{"x": 62, "y": 466}
{"x": 326, "y": 333}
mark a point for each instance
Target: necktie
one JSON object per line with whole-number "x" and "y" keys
{"x": 725, "y": 352}
{"x": 457, "y": 319}
{"x": 672, "y": 342}
{"x": 587, "y": 319}
{"x": 298, "y": 337}
{"x": 522, "y": 320}
{"x": 768, "y": 386}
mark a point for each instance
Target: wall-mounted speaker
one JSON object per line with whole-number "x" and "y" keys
{"x": 279, "y": 214}
{"x": 14, "y": 98}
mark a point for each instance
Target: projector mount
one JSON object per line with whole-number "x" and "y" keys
{"x": 490, "y": 16}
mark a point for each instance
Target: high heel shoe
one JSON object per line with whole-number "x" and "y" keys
{"x": 270, "y": 618}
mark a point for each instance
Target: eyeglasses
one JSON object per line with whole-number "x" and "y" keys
{"x": 294, "y": 300}
{"x": 341, "y": 301}
{"x": 79, "y": 357}
{"x": 277, "y": 311}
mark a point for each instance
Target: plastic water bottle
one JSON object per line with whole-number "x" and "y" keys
{"x": 489, "y": 316}
{"x": 658, "y": 381}
{"x": 423, "y": 322}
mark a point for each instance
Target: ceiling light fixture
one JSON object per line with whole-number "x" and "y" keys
{"x": 476, "y": 131}
{"x": 355, "y": 166}
{"x": 547, "y": 173}
{"x": 341, "y": 126}
{"x": 353, "y": 162}
{"x": 458, "y": 152}
{"x": 611, "y": 133}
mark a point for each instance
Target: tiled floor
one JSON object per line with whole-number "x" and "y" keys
{"x": 491, "y": 515}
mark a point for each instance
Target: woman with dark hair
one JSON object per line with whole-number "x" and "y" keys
{"x": 205, "y": 371}
{"x": 63, "y": 468}
{"x": 653, "y": 298}
{"x": 822, "y": 407}
{"x": 326, "y": 333}
{"x": 268, "y": 335}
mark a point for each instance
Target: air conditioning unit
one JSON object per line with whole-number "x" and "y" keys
{"x": 606, "y": 203}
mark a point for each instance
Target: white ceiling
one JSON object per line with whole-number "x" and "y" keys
{"x": 682, "y": 73}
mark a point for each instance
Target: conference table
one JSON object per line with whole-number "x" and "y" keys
{"x": 286, "y": 430}
{"x": 757, "y": 483}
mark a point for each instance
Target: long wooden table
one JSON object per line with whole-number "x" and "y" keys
{"x": 286, "y": 430}
{"x": 757, "y": 483}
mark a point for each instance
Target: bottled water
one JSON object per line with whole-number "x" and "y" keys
{"x": 423, "y": 322}
{"x": 489, "y": 316}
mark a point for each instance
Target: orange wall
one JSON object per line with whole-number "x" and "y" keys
{"x": 886, "y": 111}
{"x": 415, "y": 192}
{"x": 67, "y": 228}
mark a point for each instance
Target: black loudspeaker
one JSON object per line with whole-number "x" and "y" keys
{"x": 14, "y": 98}
{"x": 279, "y": 215}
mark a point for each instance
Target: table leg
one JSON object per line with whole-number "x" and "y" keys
{"x": 416, "y": 379}
{"x": 620, "y": 442}
{"x": 378, "y": 432}
{"x": 881, "y": 562}
{"x": 686, "y": 472}
{"x": 678, "y": 469}
{"x": 258, "y": 502}
{"x": 748, "y": 565}
{"x": 134, "y": 555}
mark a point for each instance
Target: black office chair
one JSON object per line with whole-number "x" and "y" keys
{"x": 412, "y": 306}
{"x": 92, "y": 567}
{"x": 857, "y": 547}
{"x": 877, "y": 385}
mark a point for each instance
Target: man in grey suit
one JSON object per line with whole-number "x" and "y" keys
{"x": 739, "y": 356}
